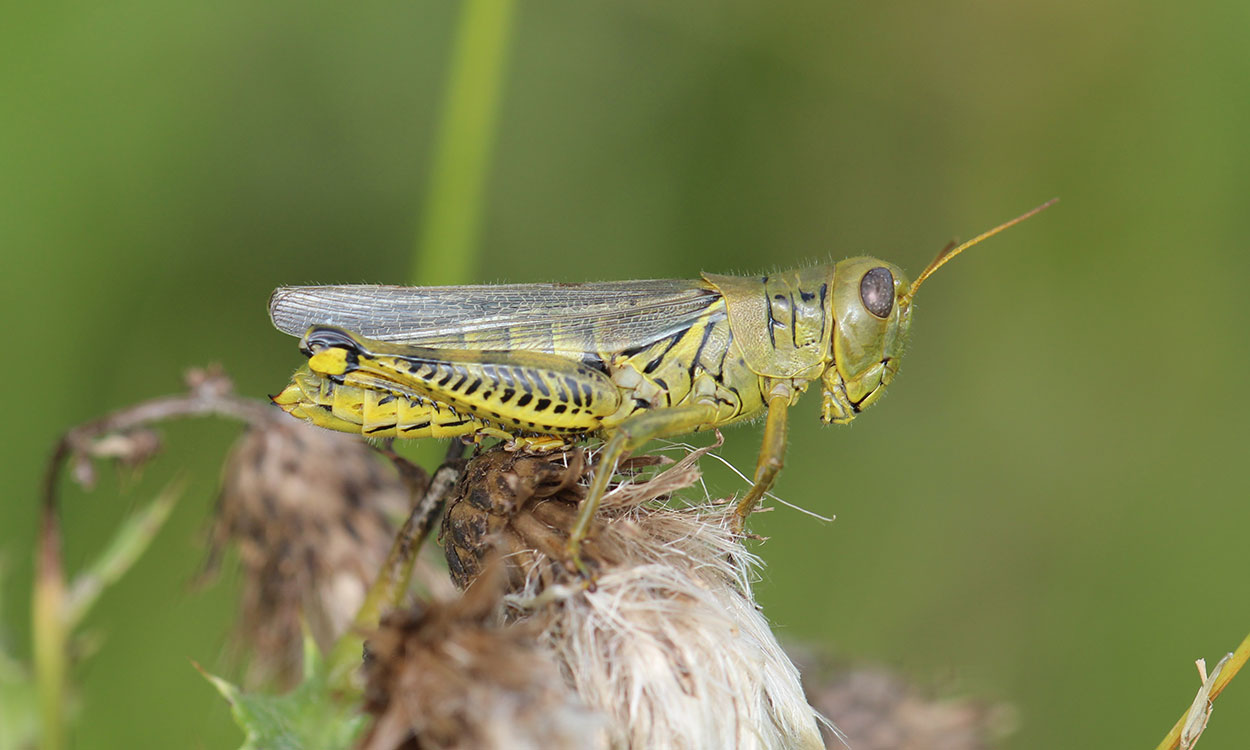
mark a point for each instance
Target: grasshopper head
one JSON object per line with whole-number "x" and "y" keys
{"x": 871, "y": 315}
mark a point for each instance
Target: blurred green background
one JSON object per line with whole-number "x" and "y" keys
{"x": 1049, "y": 509}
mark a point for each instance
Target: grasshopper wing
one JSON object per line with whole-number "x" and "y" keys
{"x": 557, "y": 318}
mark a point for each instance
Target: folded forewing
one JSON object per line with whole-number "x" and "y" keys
{"x": 557, "y": 318}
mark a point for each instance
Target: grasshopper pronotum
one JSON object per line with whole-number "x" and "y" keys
{"x": 629, "y": 361}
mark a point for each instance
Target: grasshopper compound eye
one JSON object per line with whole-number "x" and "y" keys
{"x": 876, "y": 291}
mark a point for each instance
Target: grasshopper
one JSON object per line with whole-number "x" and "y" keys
{"x": 542, "y": 364}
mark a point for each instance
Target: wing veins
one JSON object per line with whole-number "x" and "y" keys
{"x": 617, "y": 315}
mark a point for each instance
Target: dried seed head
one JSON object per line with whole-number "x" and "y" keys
{"x": 310, "y": 511}
{"x": 445, "y": 676}
{"x": 668, "y": 643}
{"x": 515, "y": 505}
{"x": 879, "y": 710}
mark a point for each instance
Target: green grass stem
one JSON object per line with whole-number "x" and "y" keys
{"x": 1230, "y": 670}
{"x": 49, "y": 632}
{"x": 446, "y": 249}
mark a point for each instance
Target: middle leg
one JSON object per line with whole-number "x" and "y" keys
{"x": 630, "y": 435}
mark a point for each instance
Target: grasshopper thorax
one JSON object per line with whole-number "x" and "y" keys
{"x": 871, "y": 314}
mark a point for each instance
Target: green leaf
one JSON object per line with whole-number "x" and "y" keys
{"x": 127, "y": 545}
{"x": 310, "y": 717}
{"x": 19, "y": 705}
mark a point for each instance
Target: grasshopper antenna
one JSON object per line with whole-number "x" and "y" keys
{"x": 951, "y": 250}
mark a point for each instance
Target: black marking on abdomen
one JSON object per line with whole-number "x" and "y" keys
{"x": 506, "y": 377}
{"x": 491, "y": 371}
{"x": 523, "y": 381}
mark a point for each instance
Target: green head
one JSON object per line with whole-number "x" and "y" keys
{"x": 872, "y": 302}
{"x": 871, "y": 315}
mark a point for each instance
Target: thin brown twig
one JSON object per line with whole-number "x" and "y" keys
{"x": 210, "y": 392}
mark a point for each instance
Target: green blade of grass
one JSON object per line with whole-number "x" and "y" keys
{"x": 126, "y": 546}
{"x": 446, "y": 249}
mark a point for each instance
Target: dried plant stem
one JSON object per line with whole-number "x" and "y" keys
{"x": 1230, "y": 670}
{"x": 55, "y": 608}
{"x": 210, "y": 394}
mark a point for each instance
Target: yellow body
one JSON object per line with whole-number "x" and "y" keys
{"x": 742, "y": 338}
